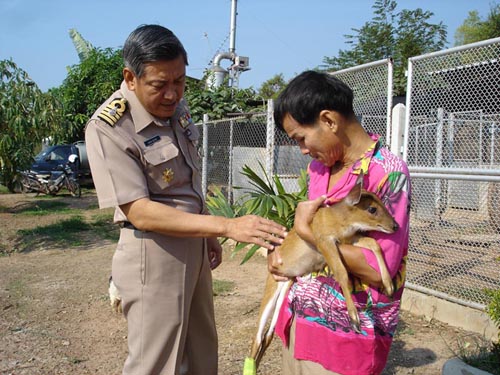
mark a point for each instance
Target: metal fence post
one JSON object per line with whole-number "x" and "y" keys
{"x": 204, "y": 160}
{"x": 398, "y": 123}
{"x": 231, "y": 156}
{"x": 408, "y": 107}
{"x": 389, "y": 101}
{"x": 270, "y": 138}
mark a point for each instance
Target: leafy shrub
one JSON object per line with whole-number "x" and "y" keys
{"x": 267, "y": 198}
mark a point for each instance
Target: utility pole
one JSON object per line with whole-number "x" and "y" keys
{"x": 239, "y": 63}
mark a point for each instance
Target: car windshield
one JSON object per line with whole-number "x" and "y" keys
{"x": 43, "y": 154}
{"x": 57, "y": 153}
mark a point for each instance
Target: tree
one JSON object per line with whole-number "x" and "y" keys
{"x": 219, "y": 102}
{"x": 474, "y": 29}
{"x": 95, "y": 78}
{"x": 87, "y": 85}
{"x": 82, "y": 46}
{"x": 271, "y": 88}
{"x": 26, "y": 117}
{"x": 390, "y": 34}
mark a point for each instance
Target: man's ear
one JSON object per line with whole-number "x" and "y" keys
{"x": 129, "y": 78}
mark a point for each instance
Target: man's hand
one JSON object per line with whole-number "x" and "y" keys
{"x": 255, "y": 229}
{"x": 214, "y": 252}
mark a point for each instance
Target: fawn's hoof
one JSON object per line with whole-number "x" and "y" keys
{"x": 355, "y": 327}
{"x": 389, "y": 289}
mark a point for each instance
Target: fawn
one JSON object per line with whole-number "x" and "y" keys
{"x": 341, "y": 223}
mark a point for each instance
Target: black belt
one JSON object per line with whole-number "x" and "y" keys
{"x": 128, "y": 225}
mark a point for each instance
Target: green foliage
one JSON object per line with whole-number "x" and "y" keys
{"x": 480, "y": 354}
{"x": 474, "y": 29}
{"x": 493, "y": 308}
{"x": 271, "y": 88}
{"x": 87, "y": 85}
{"x": 218, "y": 205}
{"x": 266, "y": 198}
{"x": 83, "y": 47}
{"x": 220, "y": 101}
{"x": 486, "y": 355}
{"x": 390, "y": 34}
{"x": 26, "y": 116}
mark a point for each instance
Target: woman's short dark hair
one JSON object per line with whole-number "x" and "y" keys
{"x": 150, "y": 43}
{"x": 308, "y": 94}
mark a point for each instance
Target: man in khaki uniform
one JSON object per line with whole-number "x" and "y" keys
{"x": 141, "y": 145}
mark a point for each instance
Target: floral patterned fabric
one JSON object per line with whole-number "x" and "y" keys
{"x": 323, "y": 331}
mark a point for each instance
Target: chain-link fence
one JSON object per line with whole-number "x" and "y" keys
{"x": 452, "y": 149}
{"x": 372, "y": 87}
{"x": 451, "y": 144}
{"x": 253, "y": 140}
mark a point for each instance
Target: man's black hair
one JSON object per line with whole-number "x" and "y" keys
{"x": 150, "y": 43}
{"x": 308, "y": 94}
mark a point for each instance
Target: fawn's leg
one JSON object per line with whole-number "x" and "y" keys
{"x": 371, "y": 244}
{"x": 329, "y": 248}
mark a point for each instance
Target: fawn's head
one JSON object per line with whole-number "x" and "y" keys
{"x": 365, "y": 211}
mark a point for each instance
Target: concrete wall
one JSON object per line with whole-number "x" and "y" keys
{"x": 450, "y": 313}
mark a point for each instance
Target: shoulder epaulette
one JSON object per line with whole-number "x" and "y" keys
{"x": 113, "y": 111}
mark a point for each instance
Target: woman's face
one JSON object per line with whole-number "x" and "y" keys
{"x": 318, "y": 140}
{"x": 161, "y": 86}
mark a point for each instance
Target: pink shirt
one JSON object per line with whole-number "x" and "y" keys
{"x": 323, "y": 331}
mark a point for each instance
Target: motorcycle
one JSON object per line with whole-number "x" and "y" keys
{"x": 52, "y": 183}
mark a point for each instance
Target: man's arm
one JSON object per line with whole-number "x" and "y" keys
{"x": 148, "y": 215}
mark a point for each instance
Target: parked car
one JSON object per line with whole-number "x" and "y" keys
{"x": 51, "y": 157}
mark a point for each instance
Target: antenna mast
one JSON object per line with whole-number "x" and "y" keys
{"x": 239, "y": 63}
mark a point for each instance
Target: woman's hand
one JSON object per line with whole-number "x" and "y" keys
{"x": 304, "y": 215}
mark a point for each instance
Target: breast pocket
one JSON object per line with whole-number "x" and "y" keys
{"x": 161, "y": 166}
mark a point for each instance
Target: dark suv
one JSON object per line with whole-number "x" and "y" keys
{"x": 51, "y": 157}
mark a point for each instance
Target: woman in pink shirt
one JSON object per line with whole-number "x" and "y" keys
{"x": 316, "y": 110}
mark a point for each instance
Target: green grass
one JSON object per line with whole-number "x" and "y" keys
{"x": 4, "y": 190}
{"x": 71, "y": 232}
{"x": 47, "y": 207}
{"x": 18, "y": 289}
{"x": 221, "y": 287}
{"x": 60, "y": 233}
{"x": 102, "y": 225}
{"x": 484, "y": 356}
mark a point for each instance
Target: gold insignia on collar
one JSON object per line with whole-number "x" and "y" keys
{"x": 113, "y": 111}
{"x": 168, "y": 175}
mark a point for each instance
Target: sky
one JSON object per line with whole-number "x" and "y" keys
{"x": 278, "y": 36}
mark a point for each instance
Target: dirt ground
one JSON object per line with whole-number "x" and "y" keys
{"x": 55, "y": 316}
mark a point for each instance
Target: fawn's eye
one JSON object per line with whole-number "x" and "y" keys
{"x": 372, "y": 210}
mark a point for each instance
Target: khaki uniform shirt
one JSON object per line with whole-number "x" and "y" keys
{"x": 142, "y": 156}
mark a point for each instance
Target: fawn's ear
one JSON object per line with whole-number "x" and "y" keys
{"x": 355, "y": 194}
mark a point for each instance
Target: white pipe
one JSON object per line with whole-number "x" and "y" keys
{"x": 232, "y": 31}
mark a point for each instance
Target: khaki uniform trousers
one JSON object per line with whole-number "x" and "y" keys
{"x": 166, "y": 289}
{"x": 292, "y": 366}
